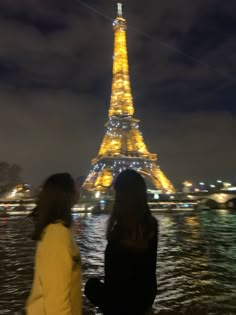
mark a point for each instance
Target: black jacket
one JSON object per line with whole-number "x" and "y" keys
{"x": 130, "y": 272}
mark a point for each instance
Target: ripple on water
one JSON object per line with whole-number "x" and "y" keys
{"x": 196, "y": 267}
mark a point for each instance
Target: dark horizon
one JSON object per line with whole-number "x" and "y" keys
{"x": 55, "y": 81}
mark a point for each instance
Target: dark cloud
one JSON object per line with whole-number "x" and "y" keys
{"x": 55, "y": 78}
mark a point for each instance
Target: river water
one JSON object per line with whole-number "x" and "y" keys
{"x": 196, "y": 267}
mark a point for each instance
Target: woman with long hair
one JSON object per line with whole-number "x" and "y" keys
{"x": 57, "y": 275}
{"x": 129, "y": 286}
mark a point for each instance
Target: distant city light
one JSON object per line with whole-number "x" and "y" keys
{"x": 187, "y": 184}
{"x": 97, "y": 195}
{"x": 231, "y": 189}
{"x": 219, "y": 181}
{"x": 190, "y": 197}
{"x": 201, "y": 183}
{"x": 213, "y": 186}
{"x": 13, "y": 193}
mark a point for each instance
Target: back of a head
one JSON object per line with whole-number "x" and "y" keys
{"x": 55, "y": 201}
{"x": 130, "y": 190}
{"x": 130, "y": 207}
{"x": 130, "y": 180}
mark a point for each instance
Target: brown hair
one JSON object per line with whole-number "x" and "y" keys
{"x": 130, "y": 211}
{"x": 57, "y": 197}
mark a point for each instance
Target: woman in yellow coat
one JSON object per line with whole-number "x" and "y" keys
{"x": 57, "y": 277}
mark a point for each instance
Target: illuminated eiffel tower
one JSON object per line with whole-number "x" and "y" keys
{"x": 123, "y": 145}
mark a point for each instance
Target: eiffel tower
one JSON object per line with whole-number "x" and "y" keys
{"x": 123, "y": 145}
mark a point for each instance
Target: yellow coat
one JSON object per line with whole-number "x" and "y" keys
{"x": 57, "y": 278}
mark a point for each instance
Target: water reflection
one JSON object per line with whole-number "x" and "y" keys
{"x": 196, "y": 261}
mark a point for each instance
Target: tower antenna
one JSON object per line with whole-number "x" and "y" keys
{"x": 120, "y": 9}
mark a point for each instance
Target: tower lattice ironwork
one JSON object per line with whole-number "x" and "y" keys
{"x": 123, "y": 145}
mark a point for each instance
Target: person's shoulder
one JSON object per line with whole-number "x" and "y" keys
{"x": 57, "y": 227}
{"x": 57, "y": 232}
{"x": 56, "y": 242}
{"x": 116, "y": 233}
{"x": 153, "y": 227}
{"x": 154, "y": 222}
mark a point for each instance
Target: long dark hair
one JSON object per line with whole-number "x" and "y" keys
{"x": 130, "y": 211}
{"x": 57, "y": 197}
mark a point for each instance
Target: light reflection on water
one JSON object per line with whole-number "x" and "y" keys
{"x": 196, "y": 261}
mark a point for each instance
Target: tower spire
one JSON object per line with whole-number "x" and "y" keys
{"x": 119, "y": 9}
{"x": 121, "y": 103}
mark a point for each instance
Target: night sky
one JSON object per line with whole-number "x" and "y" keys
{"x": 55, "y": 82}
